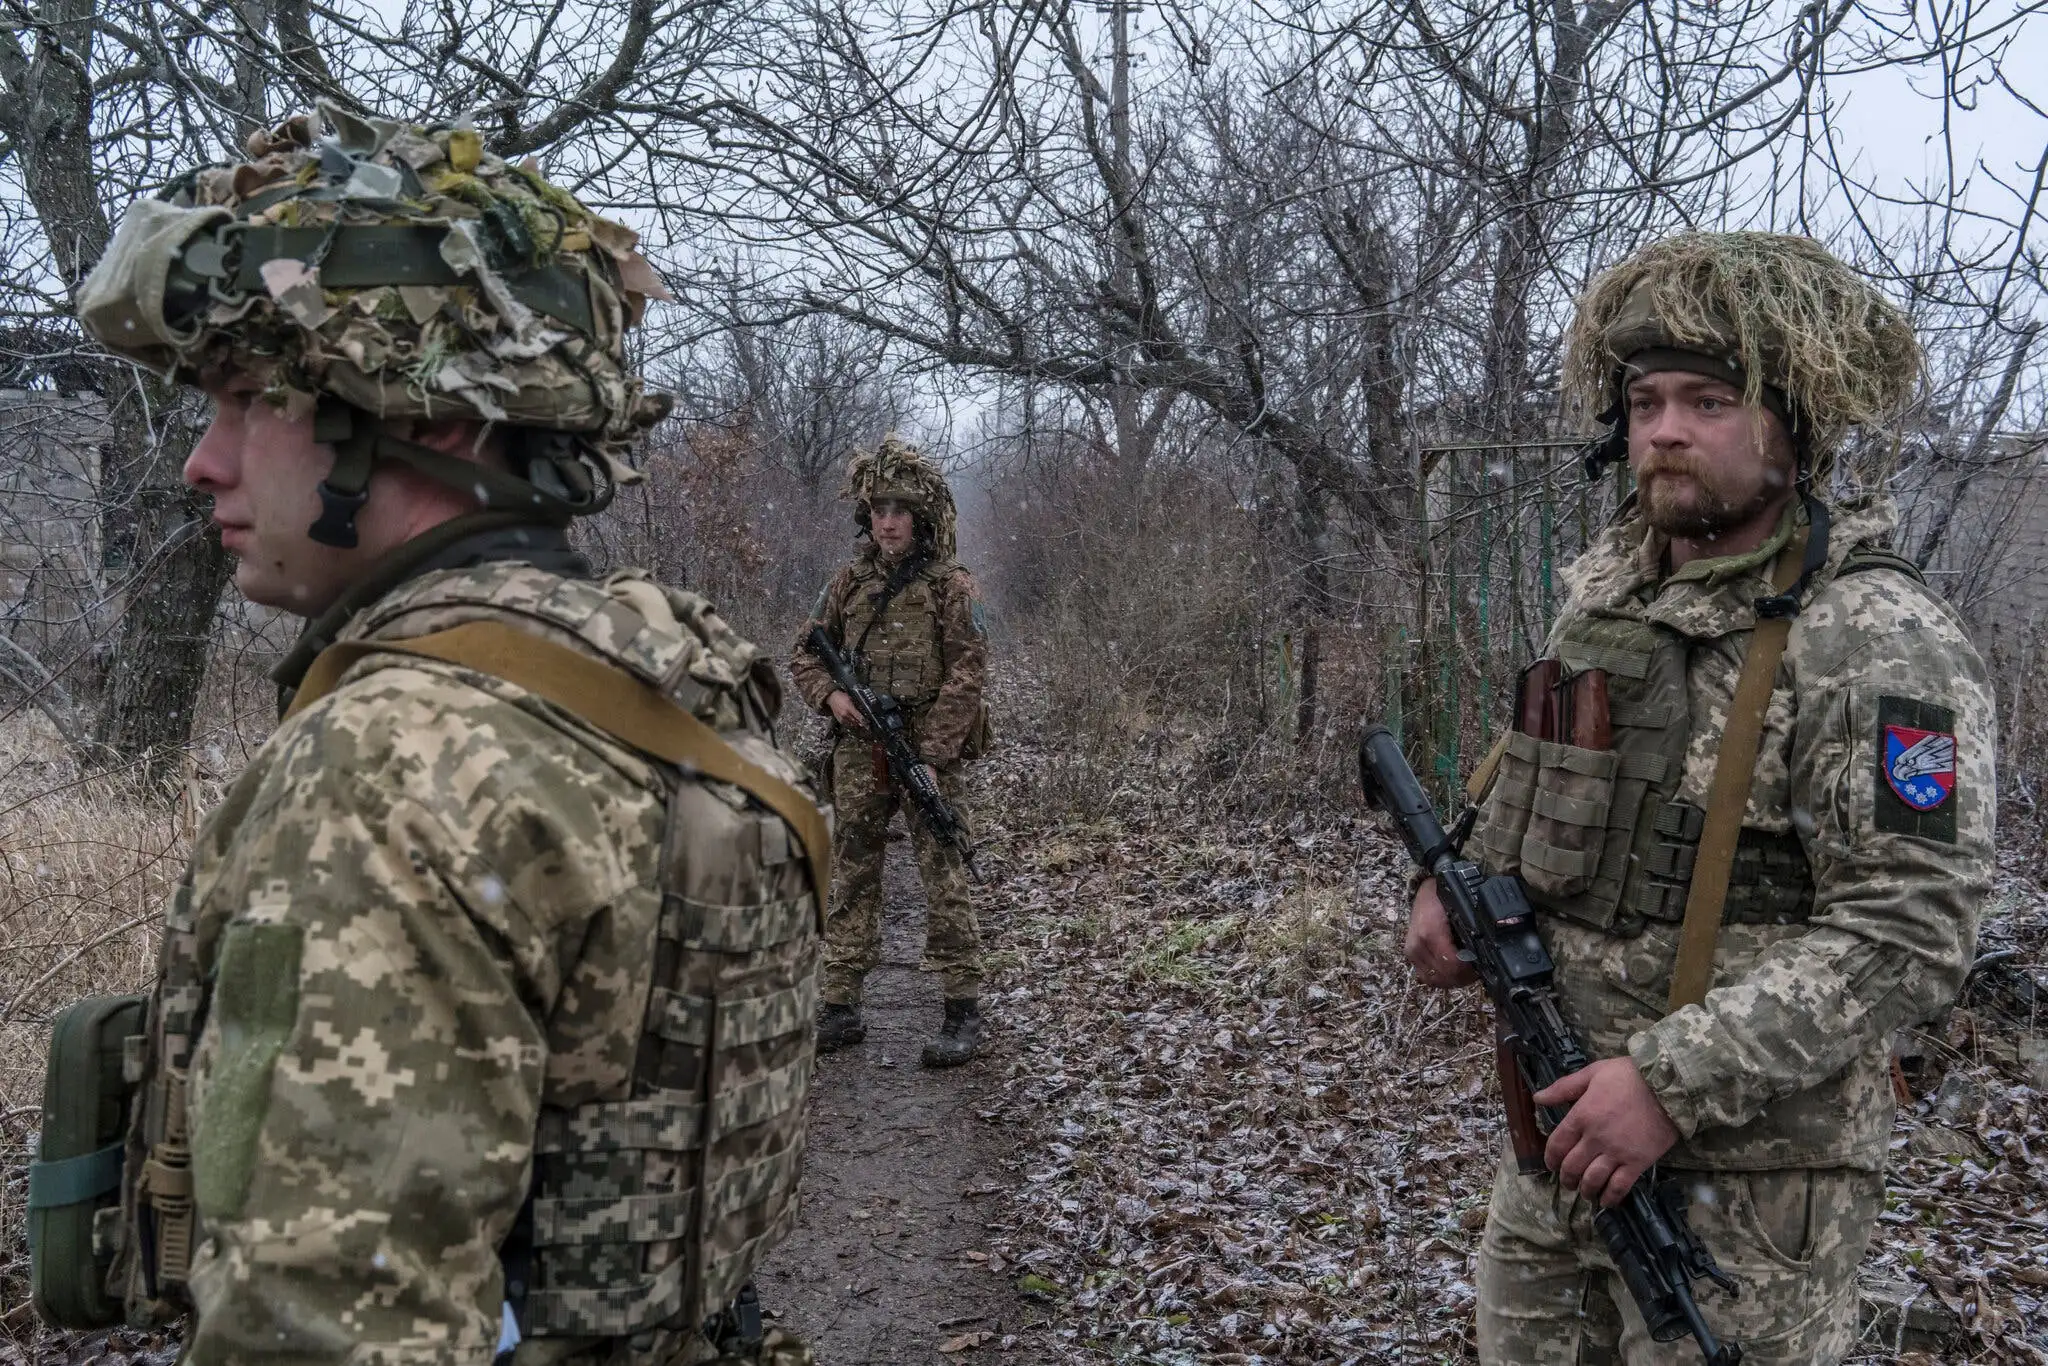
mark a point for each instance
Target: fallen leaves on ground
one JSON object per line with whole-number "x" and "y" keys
{"x": 967, "y": 1342}
{"x": 1253, "y": 1140}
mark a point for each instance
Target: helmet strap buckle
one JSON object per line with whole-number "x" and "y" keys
{"x": 347, "y": 486}
{"x": 1609, "y": 447}
{"x": 336, "y": 525}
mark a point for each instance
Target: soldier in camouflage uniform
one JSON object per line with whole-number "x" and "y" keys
{"x": 1730, "y": 366}
{"x": 906, "y": 614}
{"x": 477, "y": 1028}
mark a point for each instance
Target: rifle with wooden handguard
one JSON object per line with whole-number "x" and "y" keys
{"x": 1647, "y": 1235}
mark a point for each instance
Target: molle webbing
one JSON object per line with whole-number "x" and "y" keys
{"x": 746, "y": 1020}
{"x": 1771, "y": 884}
{"x": 161, "y": 1193}
{"x": 646, "y": 1211}
{"x": 900, "y": 621}
{"x": 898, "y": 580}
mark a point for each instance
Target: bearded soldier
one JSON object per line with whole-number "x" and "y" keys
{"x": 483, "y": 1014}
{"x": 1786, "y": 712}
{"x": 905, "y": 613}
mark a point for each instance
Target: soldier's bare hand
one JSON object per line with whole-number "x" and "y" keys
{"x": 1613, "y": 1132}
{"x": 843, "y": 711}
{"x": 1429, "y": 948}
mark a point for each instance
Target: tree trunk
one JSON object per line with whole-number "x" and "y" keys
{"x": 1312, "y": 528}
{"x": 175, "y": 574}
{"x": 175, "y": 565}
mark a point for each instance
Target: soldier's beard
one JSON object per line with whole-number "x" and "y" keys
{"x": 1681, "y": 498}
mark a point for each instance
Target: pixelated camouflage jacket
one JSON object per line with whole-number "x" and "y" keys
{"x": 427, "y": 917}
{"x": 1787, "y": 1061}
{"x": 928, "y": 650}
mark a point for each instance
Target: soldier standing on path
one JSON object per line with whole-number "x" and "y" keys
{"x": 483, "y": 1015}
{"x": 906, "y": 614}
{"x": 1730, "y": 366}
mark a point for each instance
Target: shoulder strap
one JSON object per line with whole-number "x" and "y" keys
{"x": 1481, "y": 781}
{"x": 1728, "y": 794}
{"x": 608, "y": 698}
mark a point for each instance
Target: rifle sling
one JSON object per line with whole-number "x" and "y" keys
{"x": 1728, "y": 794}
{"x": 1477, "y": 786}
{"x": 608, "y": 698}
{"x": 899, "y": 579}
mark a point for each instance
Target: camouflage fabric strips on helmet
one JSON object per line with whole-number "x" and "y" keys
{"x": 519, "y": 312}
{"x": 898, "y": 471}
{"x": 1780, "y": 309}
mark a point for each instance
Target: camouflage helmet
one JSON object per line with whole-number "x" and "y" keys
{"x": 366, "y": 269}
{"x": 896, "y": 471}
{"x": 1779, "y": 317}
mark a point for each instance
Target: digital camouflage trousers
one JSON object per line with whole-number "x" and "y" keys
{"x": 862, "y": 800}
{"x": 1549, "y": 1296}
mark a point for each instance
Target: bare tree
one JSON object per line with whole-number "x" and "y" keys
{"x": 99, "y": 98}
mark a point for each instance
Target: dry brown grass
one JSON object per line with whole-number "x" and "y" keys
{"x": 86, "y": 862}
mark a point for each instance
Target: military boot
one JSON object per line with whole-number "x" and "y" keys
{"x": 838, "y": 1027}
{"x": 959, "y": 1037}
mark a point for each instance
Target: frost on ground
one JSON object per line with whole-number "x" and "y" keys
{"x": 1254, "y": 1140}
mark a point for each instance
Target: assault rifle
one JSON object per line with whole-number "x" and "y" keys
{"x": 1647, "y": 1235}
{"x": 882, "y": 716}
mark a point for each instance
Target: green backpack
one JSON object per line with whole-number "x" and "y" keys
{"x": 77, "y": 1171}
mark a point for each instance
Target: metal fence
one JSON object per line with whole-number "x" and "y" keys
{"x": 1500, "y": 523}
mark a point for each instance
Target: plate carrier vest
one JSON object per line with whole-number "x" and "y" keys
{"x": 644, "y": 1214}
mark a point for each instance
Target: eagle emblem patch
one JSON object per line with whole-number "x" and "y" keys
{"x": 1916, "y": 769}
{"x": 1920, "y": 765}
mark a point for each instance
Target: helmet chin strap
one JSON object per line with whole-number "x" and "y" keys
{"x": 559, "y": 486}
{"x": 1608, "y": 448}
{"x": 347, "y": 486}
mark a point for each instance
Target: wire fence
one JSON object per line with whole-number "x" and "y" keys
{"x": 1500, "y": 523}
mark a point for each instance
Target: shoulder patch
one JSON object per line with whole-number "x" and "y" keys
{"x": 977, "y": 614}
{"x": 1916, "y": 769}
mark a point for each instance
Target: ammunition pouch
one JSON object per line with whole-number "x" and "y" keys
{"x": 74, "y": 1184}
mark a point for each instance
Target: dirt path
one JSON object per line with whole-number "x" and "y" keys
{"x": 899, "y": 1178}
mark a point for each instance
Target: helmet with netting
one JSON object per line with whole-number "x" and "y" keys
{"x": 1779, "y": 317}
{"x": 365, "y": 270}
{"x": 897, "y": 471}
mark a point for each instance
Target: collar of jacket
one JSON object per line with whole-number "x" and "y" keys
{"x": 477, "y": 538}
{"x": 1622, "y": 573}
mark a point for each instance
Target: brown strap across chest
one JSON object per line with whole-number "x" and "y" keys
{"x": 1728, "y": 794}
{"x": 609, "y": 699}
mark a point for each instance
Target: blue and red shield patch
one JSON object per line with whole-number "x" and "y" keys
{"x": 1920, "y": 765}
{"x": 1916, "y": 769}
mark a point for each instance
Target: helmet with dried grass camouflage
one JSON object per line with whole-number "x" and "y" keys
{"x": 1777, "y": 316}
{"x": 367, "y": 269}
{"x": 896, "y": 471}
